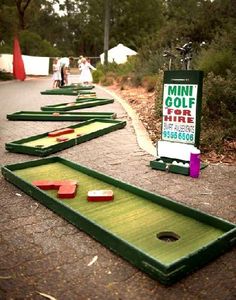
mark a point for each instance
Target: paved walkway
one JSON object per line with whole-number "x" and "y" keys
{"x": 42, "y": 253}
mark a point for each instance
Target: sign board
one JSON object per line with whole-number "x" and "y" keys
{"x": 181, "y": 116}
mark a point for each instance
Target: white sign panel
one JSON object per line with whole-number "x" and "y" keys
{"x": 179, "y": 113}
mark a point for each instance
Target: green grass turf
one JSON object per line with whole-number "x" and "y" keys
{"x": 76, "y": 103}
{"x": 130, "y": 217}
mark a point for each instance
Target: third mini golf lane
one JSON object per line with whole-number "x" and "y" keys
{"x": 59, "y": 116}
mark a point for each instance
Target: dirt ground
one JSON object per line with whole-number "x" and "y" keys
{"x": 143, "y": 103}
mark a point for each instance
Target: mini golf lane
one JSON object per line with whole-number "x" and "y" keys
{"x": 131, "y": 217}
{"x": 163, "y": 238}
{"x": 59, "y": 116}
{"x": 43, "y": 144}
{"x": 50, "y": 141}
{"x": 82, "y": 103}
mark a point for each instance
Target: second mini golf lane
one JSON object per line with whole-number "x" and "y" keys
{"x": 50, "y": 141}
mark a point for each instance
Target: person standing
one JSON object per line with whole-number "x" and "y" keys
{"x": 66, "y": 75}
{"x": 79, "y": 63}
{"x": 64, "y": 63}
{"x": 86, "y": 75}
{"x": 62, "y": 75}
{"x": 56, "y": 73}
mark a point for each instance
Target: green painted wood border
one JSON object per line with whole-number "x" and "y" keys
{"x": 64, "y": 116}
{"x": 78, "y": 87}
{"x": 66, "y": 92}
{"x": 167, "y": 166}
{"x": 86, "y": 92}
{"x": 85, "y": 100}
{"x": 69, "y": 91}
{"x": 167, "y": 274}
{"x": 16, "y": 146}
{"x": 78, "y": 105}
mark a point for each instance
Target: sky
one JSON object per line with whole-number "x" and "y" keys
{"x": 56, "y": 8}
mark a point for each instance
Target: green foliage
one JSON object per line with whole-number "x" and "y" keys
{"x": 159, "y": 93}
{"x": 149, "y": 64}
{"x": 106, "y": 75}
{"x": 106, "y": 80}
{"x": 32, "y": 44}
{"x": 8, "y": 22}
{"x": 119, "y": 69}
{"x": 5, "y": 76}
{"x": 220, "y": 55}
{"x": 6, "y": 48}
{"x": 219, "y": 109}
{"x": 133, "y": 20}
{"x": 128, "y": 67}
{"x": 216, "y": 61}
{"x": 97, "y": 75}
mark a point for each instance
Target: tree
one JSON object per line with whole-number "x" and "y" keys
{"x": 21, "y": 8}
{"x": 134, "y": 20}
{"x": 33, "y": 44}
{"x": 8, "y": 23}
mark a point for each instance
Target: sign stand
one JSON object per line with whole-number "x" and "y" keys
{"x": 181, "y": 120}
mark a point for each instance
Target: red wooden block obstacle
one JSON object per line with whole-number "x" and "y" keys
{"x": 44, "y": 184}
{"x": 61, "y": 132}
{"x": 100, "y": 195}
{"x": 66, "y": 188}
{"x": 67, "y": 191}
{"x": 58, "y": 183}
{"x": 62, "y": 139}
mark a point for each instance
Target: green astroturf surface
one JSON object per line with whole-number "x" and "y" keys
{"x": 47, "y": 141}
{"x": 130, "y": 217}
{"x": 77, "y": 103}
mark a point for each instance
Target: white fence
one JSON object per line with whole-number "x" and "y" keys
{"x": 34, "y": 65}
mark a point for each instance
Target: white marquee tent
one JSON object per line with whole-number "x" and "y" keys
{"x": 118, "y": 54}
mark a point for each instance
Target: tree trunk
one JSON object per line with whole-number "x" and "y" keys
{"x": 106, "y": 31}
{"x": 21, "y": 8}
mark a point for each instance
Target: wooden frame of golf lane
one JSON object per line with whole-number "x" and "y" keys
{"x": 79, "y": 104}
{"x": 132, "y": 225}
{"x": 43, "y": 145}
{"x": 60, "y": 116}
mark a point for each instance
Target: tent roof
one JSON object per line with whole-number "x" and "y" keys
{"x": 120, "y": 48}
{"x": 118, "y": 54}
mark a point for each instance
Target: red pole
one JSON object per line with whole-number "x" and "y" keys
{"x": 18, "y": 64}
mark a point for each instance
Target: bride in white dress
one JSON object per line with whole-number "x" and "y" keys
{"x": 86, "y": 75}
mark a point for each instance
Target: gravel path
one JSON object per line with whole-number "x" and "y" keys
{"x": 42, "y": 253}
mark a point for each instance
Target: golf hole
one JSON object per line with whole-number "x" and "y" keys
{"x": 39, "y": 146}
{"x": 168, "y": 236}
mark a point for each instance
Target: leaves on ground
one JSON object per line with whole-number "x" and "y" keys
{"x": 143, "y": 103}
{"x": 47, "y": 296}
